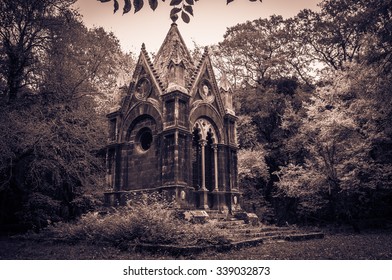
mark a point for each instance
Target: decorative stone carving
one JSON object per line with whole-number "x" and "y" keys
{"x": 205, "y": 90}
{"x": 143, "y": 88}
{"x": 204, "y": 128}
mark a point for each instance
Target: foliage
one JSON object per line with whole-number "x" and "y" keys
{"x": 314, "y": 90}
{"x": 262, "y": 61}
{"x": 263, "y": 51}
{"x": 247, "y": 132}
{"x": 51, "y": 132}
{"x": 24, "y": 27}
{"x": 336, "y": 172}
{"x": 93, "y": 65}
{"x": 186, "y": 7}
{"x": 343, "y": 30}
{"x": 151, "y": 220}
{"x": 49, "y": 152}
{"x": 252, "y": 165}
{"x": 254, "y": 176}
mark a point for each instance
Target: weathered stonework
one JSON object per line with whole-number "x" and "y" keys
{"x": 175, "y": 132}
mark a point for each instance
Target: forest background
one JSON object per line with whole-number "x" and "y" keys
{"x": 312, "y": 93}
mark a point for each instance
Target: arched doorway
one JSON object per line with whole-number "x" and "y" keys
{"x": 204, "y": 159}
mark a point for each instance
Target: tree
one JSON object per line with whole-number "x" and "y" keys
{"x": 93, "y": 65}
{"x": 253, "y": 176}
{"x": 24, "y": 26}
{"x": 185, "y": 11}
{"x": 51, "y": 133}
{"x": 330, "y": 38}
{"x": 343, "y": 30}
{"x": 340, "y": 144}
{"x": 335, "y": 175}
{"x": 264, "y": 51}
{"x": 328, "y": 158}
{"x": 256, "y": 47}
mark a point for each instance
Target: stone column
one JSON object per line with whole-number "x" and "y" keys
{"x": 203, "y": 143}
{"x": 203, "y": 191}
{"x": 217, "y": 203}
{"x": 215, "y": 147}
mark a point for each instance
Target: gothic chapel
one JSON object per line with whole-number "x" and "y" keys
{"x": 175, "y": 132}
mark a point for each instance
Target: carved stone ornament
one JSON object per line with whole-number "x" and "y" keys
{"x": 205, "y": 127}
{"x": 183, "y": 195}
{"x": 205, "y": 90}
{"x": 143, "y": 88}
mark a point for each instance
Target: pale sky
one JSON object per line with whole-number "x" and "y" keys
{"x": 211, "y": 18}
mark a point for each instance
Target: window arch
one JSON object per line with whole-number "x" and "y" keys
{"x": 205, "y": 130}
{"x": 204, "y": 156}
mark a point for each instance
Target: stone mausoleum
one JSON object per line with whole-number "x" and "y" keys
{"x": 175, "y": 132}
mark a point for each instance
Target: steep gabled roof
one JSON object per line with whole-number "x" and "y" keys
{"x": 144, "y": 69}
{"x": 173, "y": 49}
{"x": 144, "y": 62}
{"x": 204, "y": 69}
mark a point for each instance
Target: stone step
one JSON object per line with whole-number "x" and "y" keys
{"x": 230, "y": 223}
{"x": 238, "y": 231}
{"x": 279, "y": 236}
{"x": 261, "y": 231}
{"x": 216, "y": 215}
{"x": 263, "y": 234}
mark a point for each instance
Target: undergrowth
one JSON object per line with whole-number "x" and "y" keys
{"x": 151, "y": 220}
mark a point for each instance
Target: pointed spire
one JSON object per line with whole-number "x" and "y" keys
{"x": 227, "y": 94}
{"x": 173, "y": 51}
{"x": 144, "y": 53}
{"x": 224, "y": 83}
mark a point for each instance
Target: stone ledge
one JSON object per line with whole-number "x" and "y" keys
{"x": 186, "y": 250}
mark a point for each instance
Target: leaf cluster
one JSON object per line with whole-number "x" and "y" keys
{"x": 185, "y": 11}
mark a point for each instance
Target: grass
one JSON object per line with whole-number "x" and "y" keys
{"x": 153, "y": 221}
{"x": 341, "y": 246}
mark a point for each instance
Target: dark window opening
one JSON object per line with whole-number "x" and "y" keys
{"x": 145, "y": 139}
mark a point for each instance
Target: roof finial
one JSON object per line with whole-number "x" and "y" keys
{"x": 143, "y": 46}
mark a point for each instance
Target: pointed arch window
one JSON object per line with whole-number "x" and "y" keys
{"x": 205, "y": 156}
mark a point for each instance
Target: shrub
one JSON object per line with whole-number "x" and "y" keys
{"x": 151, "y": 220}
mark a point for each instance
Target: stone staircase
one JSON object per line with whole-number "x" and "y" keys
{"x": 238, "y": 231}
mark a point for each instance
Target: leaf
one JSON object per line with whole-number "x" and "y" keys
{"x": 127, "y": 6}
{"x": 138, "y": 4}
{"x": 174, "y": 17}
{"x": 229, "y": 1}
{"x": 175, "y": 2}
{"x": 185, "y": 17}
{"x": 190, "y": 2}
{"x": 153, "y": 4}
{"x": 188, "y": 9}
{"x": 174, "y": 11}
{"x": 116, "y": 6}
